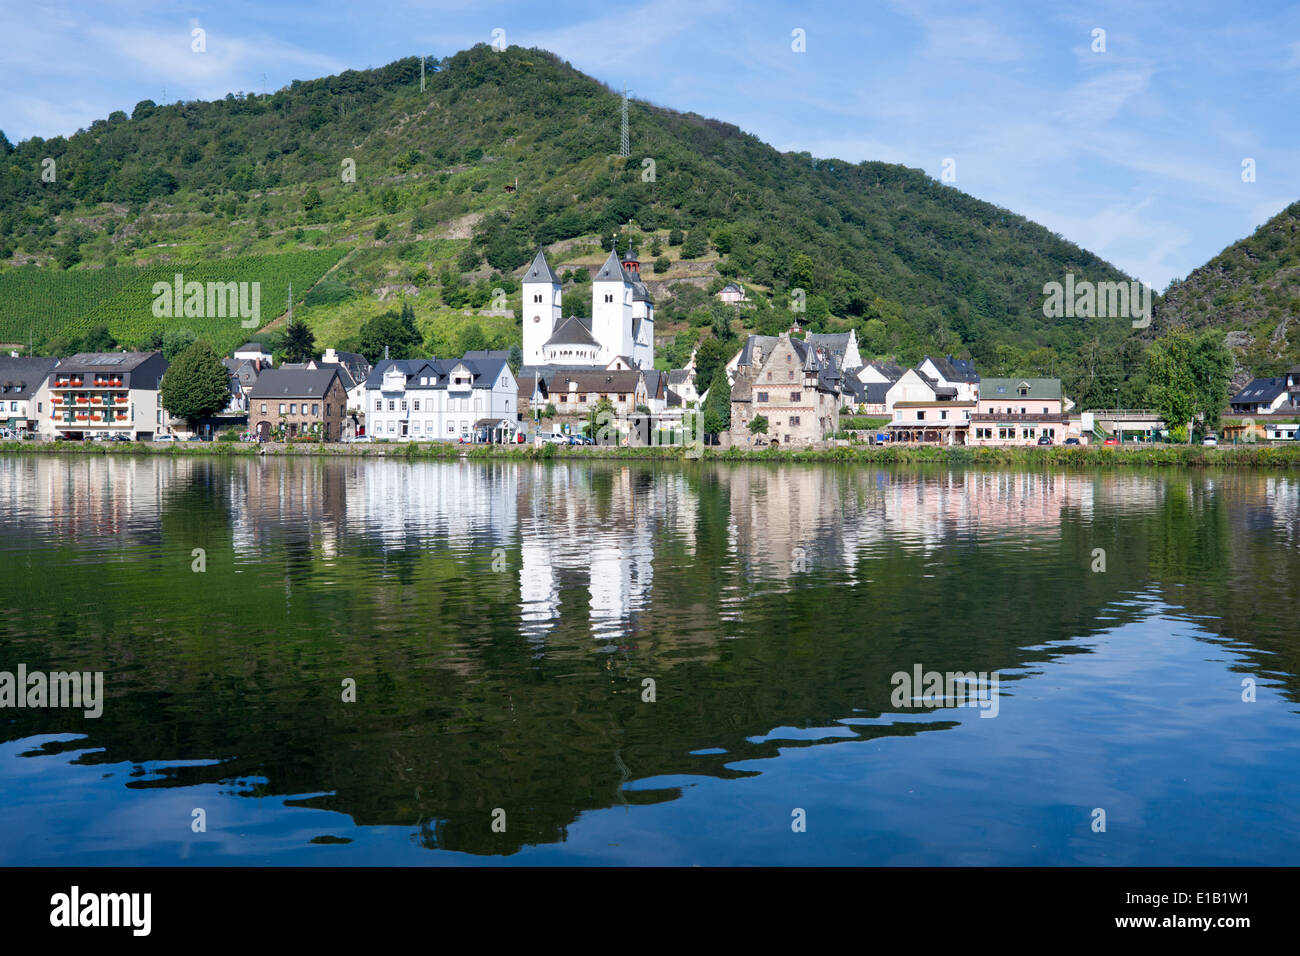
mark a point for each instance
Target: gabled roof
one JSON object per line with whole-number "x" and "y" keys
{"x": 992, "y": 389}
{"x": 765, "y": 343}
{"x": 22, "y": 376}
{"x": 540, "y": 270}
{"x": 890, "y": 370}
{"x": 253, "y": 347}
{"x": 1260, "y": 391}
{"x": 612, "y": 270}
{"x": 295, "y": 382}
{"x": 571, "y": 332}
{"x": 953, "y": 370}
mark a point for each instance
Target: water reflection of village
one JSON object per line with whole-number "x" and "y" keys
{"x": 581, "y": 540}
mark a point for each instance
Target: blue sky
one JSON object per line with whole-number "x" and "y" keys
{"x": 1134, "y": 153}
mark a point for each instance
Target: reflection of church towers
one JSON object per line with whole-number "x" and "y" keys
{"x": 569, "y": 543}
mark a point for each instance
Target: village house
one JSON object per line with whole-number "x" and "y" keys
{"x": 288, "y": 403}
{"x": 1020, "y": 411}
{"x": 24, "y": 392}
{"x": 732, "y": 294}
{"x": 1263, "y": 396}
{"x": 785, "y": 383}
{"x": 107, "y": 393}
{"x": 475, "y": 399}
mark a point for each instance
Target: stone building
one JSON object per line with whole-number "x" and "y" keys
{"x": 789, "y": 384}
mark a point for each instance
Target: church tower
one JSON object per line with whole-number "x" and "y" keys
{"x": 541, "y": 307}
{"x": 611, "y": 309}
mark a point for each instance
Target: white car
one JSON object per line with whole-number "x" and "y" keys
{"x": 1209, "y": 440}
{"x": 164, "y": 438}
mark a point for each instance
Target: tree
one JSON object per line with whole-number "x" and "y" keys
{"x": 515, "y": 359}
{"x": 196, "y": 384}
{"x": 662, "y": 265}
{"x": 471, "y": 338}
{"x": 801, "y": 272}
{"x": 311, "y": 199}
{"x": 759, "y": 425}
{"x": 299, "y": 343}
{"x": 176, "y": 341}
{"x": 675, "y": 237}
{"x": 394, "y": 331}
{"x": 1171, "y": 386}
{"x": 711, "y": 355}
{"x": 717, "y": 407}
{"x": 599, "y": 420}
{"x": 695, "y": 245}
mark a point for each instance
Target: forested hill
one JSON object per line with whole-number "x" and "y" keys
{"x": 913, "y": 264}
{"x": 1251, "y": 290}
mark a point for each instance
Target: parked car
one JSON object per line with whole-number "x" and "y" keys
{"x": 1210, "y": 440}
{"x": 1072, "y": 441}
{"x": 1111, "y": 441}
{"x": 520, "y": 438}
{"x": 120, "y": 437}
{"x": 164, "y": 438}
{"x": 555, "y": 439}
{"x": 1044, "y": 440}
{"x": 581, "y": 440}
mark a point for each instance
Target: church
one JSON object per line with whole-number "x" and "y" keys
{"x": 622, "y": 323}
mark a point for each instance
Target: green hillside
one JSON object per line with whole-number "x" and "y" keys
{"x": 913, "y": 265}
{"x": 1251, "y": 291}
{"x": 72, "y": 303}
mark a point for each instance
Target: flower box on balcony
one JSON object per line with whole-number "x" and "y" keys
{"x": 121, "y": 416}
{"x": 94, "y": 418}
{"x": 82, "y": 401}
{"x": 81, "y": 416}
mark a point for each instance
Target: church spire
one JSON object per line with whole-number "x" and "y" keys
{"x": 540, "y": 270}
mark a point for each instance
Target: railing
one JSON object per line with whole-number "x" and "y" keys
{"x": 1112, "y": 414}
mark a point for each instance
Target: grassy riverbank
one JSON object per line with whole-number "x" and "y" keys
{"x": 1248, "y": 455}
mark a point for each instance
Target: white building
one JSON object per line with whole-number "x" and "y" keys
{"x": 24, "y": 392}
{"x": 107, "y": 393}
{"x": 442, "y": 399}
{"x": 621, "y": 323}
{"x": 254, "y": 351}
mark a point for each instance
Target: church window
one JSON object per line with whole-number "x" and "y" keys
{"x": 537, "y": 297}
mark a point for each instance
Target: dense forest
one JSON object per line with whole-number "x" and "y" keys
{"x": 437, "y": 198}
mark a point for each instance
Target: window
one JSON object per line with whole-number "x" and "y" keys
{"x": 415, "y": 404}
{"x": 379, "y": 404}
{"x": 392, "y": 405}
{"x": 293, "y": 408}
{"x": 315, "y": 408}
{"x": 609, "y": 297}
{"x": 415, "y": 427}
{"x": 391, "y": 429}
{"x": 794, "y": 419}
{"x": 264, "y": 408}
{"x": 403, "y": 404}
{"x": 451, "y": 428}
{"x": 621, "y": 398}
{"x": 796, "y": 396}
{"x": 943, "y": 416}
{"x": 920, "y": 416}
{"x": 762, "y": 396}
{"x": 282, "y": 408}
{"x": 1029, "y": 433}
{"x": 1022, "y": 410}
{"x": 13, "y": 406}
{"x": 1045, "y": 411}
{"x": 537, "y": 297}
{"x": 328, "y": 411}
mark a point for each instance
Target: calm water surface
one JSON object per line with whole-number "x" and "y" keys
{"x": 500, "y": 621}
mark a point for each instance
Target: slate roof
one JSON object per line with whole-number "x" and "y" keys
{"x": 953, "y": 370}
{"x": 295, "y": 382}
{"x": 21, "y": 377}
{"x": 876, "y": 391}
{"x": 571, "y": 332}
{"x": 612, "y": 270}
{"x": 541, "y": 271}
{"x": 764, "y": 342}
{"x": 1261, "y": 391}
{"x": 992, "y": 389}
{"x": 890, "y": 370}
{"x": 485, "y": 371}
